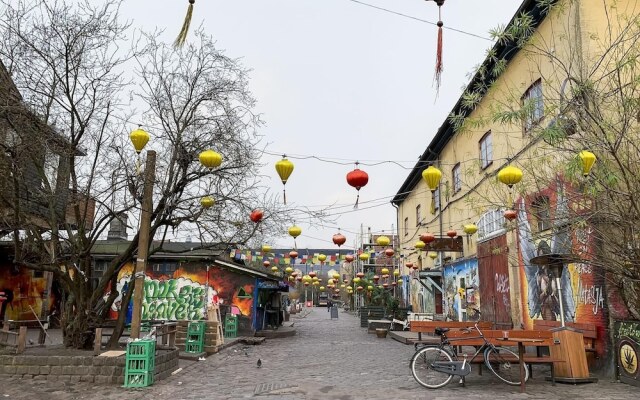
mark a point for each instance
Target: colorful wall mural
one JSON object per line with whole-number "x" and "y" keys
{"x": 181, "y": 294}
{"x": 462, "y": 297}
{"x": 24, "y": 289}
{"x": 582, "y": 288}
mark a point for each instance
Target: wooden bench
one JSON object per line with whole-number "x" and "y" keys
{"x": 539, "y": 338}
{"x": 429, "y": 326}
{"x": 589, "y": 331}
{"x": 18, "y": 339}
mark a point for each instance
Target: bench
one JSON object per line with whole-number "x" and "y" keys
{"x": 374, "y": 324}
{"x": 589, "y": 331}
{"x": 537, "y": 338}
{"x": 429, "y": 326}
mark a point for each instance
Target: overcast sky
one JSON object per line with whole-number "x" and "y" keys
{"x": 341, "y": 81}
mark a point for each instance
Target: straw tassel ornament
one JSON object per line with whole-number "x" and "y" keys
{"x": 182, "y": 36}
{"x": 439, "y": 65}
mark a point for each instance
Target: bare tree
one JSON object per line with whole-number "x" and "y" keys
{"x": 74, "y": 77}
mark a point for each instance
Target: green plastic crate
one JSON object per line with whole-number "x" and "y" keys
{"x": 193, "y": 347}
{"x": 144, "y": 349}
{"x": 196, "y": 327}
{"x": 138, "y": 379}
{"x": 231, "y": 326}
{"x": 137, "y": 365}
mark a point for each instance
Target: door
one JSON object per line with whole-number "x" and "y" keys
{"x": 493, "y": 276}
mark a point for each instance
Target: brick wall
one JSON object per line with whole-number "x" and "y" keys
{"x": 100, "y": 370}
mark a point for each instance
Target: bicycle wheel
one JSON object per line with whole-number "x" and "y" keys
{"x": 421, "y": 367}
{"x": 504, "y": 364}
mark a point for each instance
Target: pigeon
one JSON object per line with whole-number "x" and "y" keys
{"x": 259, "y": 363}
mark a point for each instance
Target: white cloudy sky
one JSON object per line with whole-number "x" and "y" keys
{"x": 342, "y": 81}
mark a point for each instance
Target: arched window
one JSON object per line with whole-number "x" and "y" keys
{"x": 490, "y": 225}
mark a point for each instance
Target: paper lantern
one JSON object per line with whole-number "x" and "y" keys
{"x": 409, "y": 265}
{"x": 432, "y": 176}
{"x": 207, "y": 202}
{"x": 385, "y": 271}
{"x": 385, "y": 285}
{"x": 139, "y": 138}
{"x": 210, "y": 159}
{"x": 419, "y": 245}
{"x": 274, "y": 269}
{"x": 510, "y": 175}
{"x": 358, "y": 179}
{"x": 427, "y": 237}
{"x": 363, "y": 256}
{"x": 383, "y": 241}
{"x": 396, "y": 273}
{"x": 360, "y": 275}
{"x": 510, "y": 214}
{"x": 470, "y": 229}
{"x": 293, "y": 254}
{"x": 266, "y": 263}
{"x": 288, "y": 270}
{"x": 306, "y": 283}
{"x": 376, "y": 278}
{"x": 322, "y": 288}
{"x": 349, "y": 258}
{"x": 339, "y": 239}
{"x": 356, "y": 280}
{"x": 295, "y": 231}
{"x": 389, "y": 252}
{"x": 433, "y": 255}
{"x": 312, "y": 274}
{"x": 256, "y": 216}
{"x": 284, "y": 168}
{"x": 322, "y": 257}
{"x": 370, "y": 288}
{"x": 452, "y": 233}
{"x": 588, "y": 159}
{"x": 359, "y": 288}
{"x": 266, "y": 248}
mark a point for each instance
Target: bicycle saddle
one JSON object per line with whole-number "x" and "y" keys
{"x": 440, "y": 331}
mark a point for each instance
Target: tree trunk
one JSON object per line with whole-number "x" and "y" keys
{"x": 77, "y": 331}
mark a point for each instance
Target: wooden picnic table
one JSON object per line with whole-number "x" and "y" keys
{"x": 521, "y": 344}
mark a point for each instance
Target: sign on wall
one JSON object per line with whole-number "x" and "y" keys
{"x": 627, "y": 336}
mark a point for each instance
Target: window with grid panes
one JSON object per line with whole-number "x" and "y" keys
{"x": 418, "y": 214}
{"x": 406, "y": 226}
{"x": 486, "y": 150}
{"x": 533, "y": 102}
{"x": 457, "y": 178}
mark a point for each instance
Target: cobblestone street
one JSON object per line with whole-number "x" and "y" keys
{"x": 327, "y": 359}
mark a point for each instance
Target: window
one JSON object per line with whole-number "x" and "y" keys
{"x": 541, "y": 213}
{"x": 486, "y": 150}
{"x": 533, "y": 105}
{"x": 406, "y": 226}
{"x": 490, "y": 225}
{"x": 51, "y": 162}
{"x": 164, "y": 268}
{"x": 457, "y": 178}
{"x": 99, "y": 268}
{"x": 418, "y": 216}
{"x": 436, "y": 195}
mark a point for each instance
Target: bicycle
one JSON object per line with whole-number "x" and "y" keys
{"x": 434, "y": 366}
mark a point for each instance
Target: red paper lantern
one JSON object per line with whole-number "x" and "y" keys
{"x": 266, "y": 264}
{"x": 349, "y": 257}
{"x": 358, "y": 179}
{"x": 394, "y": 283}
{"x": 256, "y": 216}
{"x": 298, "y": 278}
{"x": 427, "y": 237}
{"x": 360, "y": 275}
{"x": 415, "y": 267}
{"x": 306, "y": 283}
{"x": 312, "y": 274}
{"x": 339, "y": 239}
{"x": 409, "y": 264}
{"x": 359, "y": 288}
{"x": 510, "y": 214}
{"x": 452, "y": 233}
{"x": 385, "y": 285}
{"x": 389, "y": 252}
{"x": 293, "y": 254}
{"x": 376, "y": 278}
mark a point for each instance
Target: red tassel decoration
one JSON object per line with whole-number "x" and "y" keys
{"x": 438, "y": 74}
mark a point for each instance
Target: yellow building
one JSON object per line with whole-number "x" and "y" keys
{"x": 526, "y": 91}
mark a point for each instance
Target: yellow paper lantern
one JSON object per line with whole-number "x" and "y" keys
{"x": 369, "y": 288}
{"x": 266, "y": 248}
{"x": 419, "y": 245}
{"x": 510, "y": 175}
{"x": 207, "y": 202}
{"x": 288, "y": 270}
{"x": 274, "y": 269}
{"x": 432, "y": 176}
{"x": 356, "y": 280}
{"x": 284, "y": 168}
{"x": 322, "y": 257}
{"x": 383, "y": 241}
{"x": 396, "y": 273}
{"x": 139, "y": 138}
{"x": 433, "y": 255}
{"x": 306, "y": 278}
{"x": 343, "y": 285}
{"x": 385, "y": 271}
{"x": 210, "y": 159}
{"x": 588, "y": 159}
{"x": 363, "y": 256}
{"x": 322, "y": 288}
{"x": 295, "y": 231}
{"x": 336, "y": 276}
{"x": 470, "y": 229}
{"x": 330, "y": 282}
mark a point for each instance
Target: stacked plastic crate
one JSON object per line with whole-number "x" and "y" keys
{"x": 195, "y": 337}
{"x": 230, "y": 326}
{"x": 140, "y": 363}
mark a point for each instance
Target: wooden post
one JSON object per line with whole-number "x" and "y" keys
{"x": 97, "y": 342}
{"x": 143, "y": 242}
{"x": 22, "y": 339}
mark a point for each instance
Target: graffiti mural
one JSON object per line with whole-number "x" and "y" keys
{"x": 182, "y": 294}
{"x": 23, "y": 290}
{"x": 462, "y": 297}
{"x": 581, "y": 288}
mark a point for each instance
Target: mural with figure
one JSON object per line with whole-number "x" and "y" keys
{"x": 462, "y": 298}
{"x": 581, "y": 287}
{"x": 181, "y": 294}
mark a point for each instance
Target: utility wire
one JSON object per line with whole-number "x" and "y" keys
{"x": 418, "y": 19}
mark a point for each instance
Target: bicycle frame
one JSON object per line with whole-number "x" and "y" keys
{"x": 457, "y": 367}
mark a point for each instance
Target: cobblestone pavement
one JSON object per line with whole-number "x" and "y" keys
{"x": 327, "y": 359}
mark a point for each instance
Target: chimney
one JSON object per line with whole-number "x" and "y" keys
{"x": 118, "y": 228}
